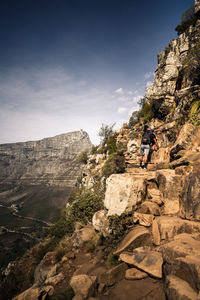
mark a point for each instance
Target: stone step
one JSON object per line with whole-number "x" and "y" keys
{"x": 168, "y": 227}
{"x": 177, "y": 289}
{"x": 181, "y": 258}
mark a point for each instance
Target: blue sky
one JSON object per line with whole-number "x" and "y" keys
{"x": 71, "y": 65}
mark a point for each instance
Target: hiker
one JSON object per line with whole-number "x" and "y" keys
{"x": 148, "y": 142}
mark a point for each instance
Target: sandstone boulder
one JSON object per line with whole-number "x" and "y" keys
{"x": 83, "y": 235}
{"x": 135, "y": 238}
{"x": 189, "y": 203}
{"x": 166, "y": 228}
{"x": 146, "y": 260}
{"x": 149, "y": 207}
{"x": 83, "y": 285}
{"x": 143, "y": 219}
{"x": 47, "y": 268}
{"x": 170, "y": 186}
{"x": 155, "y": 195}
{"x": 181, "y": 258}
{"x": 178, "y": 289}
{"x": 123, "y": 192}
{"x": 35, "y": 293}
{"x": 100, "y": 222}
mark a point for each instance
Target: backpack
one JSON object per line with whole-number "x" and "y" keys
{"x": 146, "y": 139}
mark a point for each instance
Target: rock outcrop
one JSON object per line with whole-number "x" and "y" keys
{"x": 51, "y": 161}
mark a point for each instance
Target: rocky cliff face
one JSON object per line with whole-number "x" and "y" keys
{"x": 176, "y": 78}
{"x": 51, "y": 161}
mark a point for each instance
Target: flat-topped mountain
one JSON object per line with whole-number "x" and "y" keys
{"x": 51, "y": 161}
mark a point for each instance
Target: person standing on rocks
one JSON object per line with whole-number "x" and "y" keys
{"x": 148, "y": 143}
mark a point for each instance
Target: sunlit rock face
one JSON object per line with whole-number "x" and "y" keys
{"x": 51, "y": 161}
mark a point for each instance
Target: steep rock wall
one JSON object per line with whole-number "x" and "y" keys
{"x": 51, "y": 161}
{"x": 173, "y": 88}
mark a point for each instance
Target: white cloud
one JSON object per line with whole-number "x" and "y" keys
{"x": 149, "y": 83}
{"x": 119, "y": 91}
{"x": 148, "y": 75}
{"x": 121, "y": 110}
{"x": 130, "y": 93}
{"x": 124, "y": 99}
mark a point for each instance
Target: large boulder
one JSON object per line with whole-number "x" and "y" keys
{"x": 123, "y": 192}
{"x": 188, "y": 139}
{"x": 166, "y": 228}
{"x": 170, "y": 184}
{"x": 145, "y": 259}
{"x": 36, "y": 293}
{"x": 83, "y": 235}
{"x": 178, "y": 289}
{"x": 83, "y": 285}
{"x": 181, "y": 259}
{"x": 135, "y": 238}
{"x": 189, "y": 203}
{"x": 46, "y": 269}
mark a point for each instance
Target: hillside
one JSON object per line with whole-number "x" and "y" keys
{"x": 131, "y": 233}
{"x": 36, "y": 180}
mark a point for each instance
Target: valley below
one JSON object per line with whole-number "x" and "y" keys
{"x": 26, "y": 212}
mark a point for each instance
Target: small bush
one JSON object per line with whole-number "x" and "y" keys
{"x": 112, "y": 259}
{"x": 83, "y": 204}
{"x": 111, "y": 144}
{"x": 194, "y": 115}
{"x": 83, "y": 157}
{"x": 134, "y": 119}
{"x": 40, "y": 250}
{"x": 114, "y": 164}
{"x": 146, "y": 112}
{"x": 94, "y": 149}
{"x": 61, "y": 228}
{"x": 105, "y": 131}
{"x": 188, "y": 18}
{"x": 119, "y": 225}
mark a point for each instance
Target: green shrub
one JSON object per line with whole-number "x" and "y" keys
{"x": 114, "y": 164}
{"x": 40, "y": 250}
{"x": 61, "y": 227}
{"x": 84, "y": 203}
{"x": 194, "y": 115}
{"x": 83, "y": 157}
{"x": 112, "y": 260}
{"x": 105, "y": 131}
{"x": 119, "y": 225}
{"x": 188, "y": 18}
{"x": 111, "y": 144}
{"x": 134, "y": 119}
{"x": 94, "y": 149}
{"x": 146, "y": 112}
